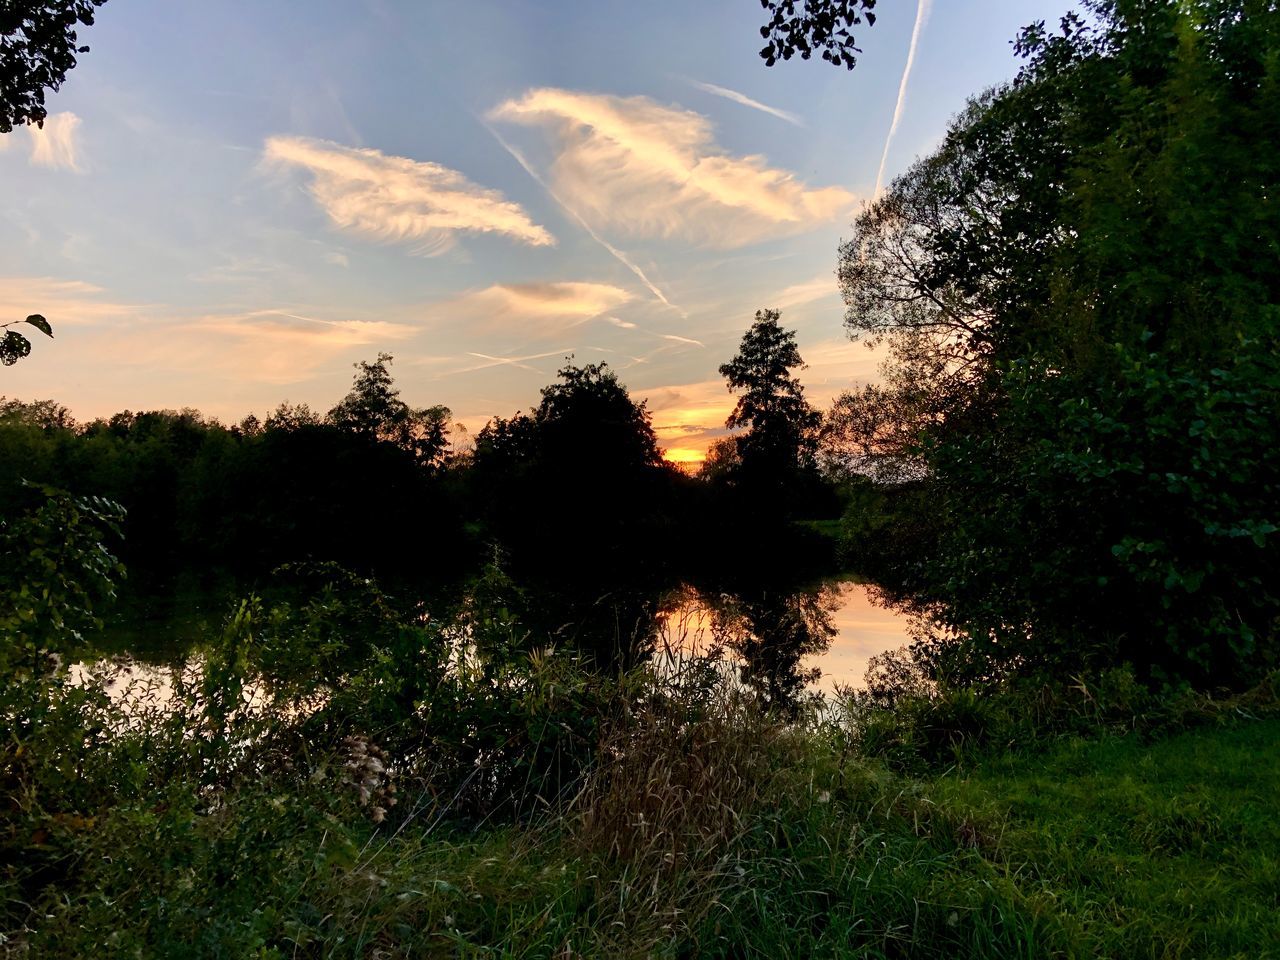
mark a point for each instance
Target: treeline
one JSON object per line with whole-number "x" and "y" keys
{"x": 574, "y": 495}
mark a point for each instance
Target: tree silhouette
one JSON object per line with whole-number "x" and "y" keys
{"x": 38, "y": 45}
{"x": 781, "y": 440}
{"x": 373, "y": 409}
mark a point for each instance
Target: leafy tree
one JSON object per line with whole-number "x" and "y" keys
{"x": 780, "y": 441}
{"x": 56, "y": 574}
{"x": 1081, "y": 309}
{"x": 373, "y": 409}
{"x": 38, "y": 45}
{"x": 45, "y": 414}
{"x": 290, "y": 416}
{"x": 825, "y": 26}
{"x": 14, "y": 345}
{"x": 578, "y": 495}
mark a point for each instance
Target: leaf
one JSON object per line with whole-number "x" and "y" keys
{"x": 13, "y": 347}
{"x": 41, "y": 324}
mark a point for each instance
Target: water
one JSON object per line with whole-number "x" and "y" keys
{"x": 786, "y": 641}
{"x": 818, "y": 638}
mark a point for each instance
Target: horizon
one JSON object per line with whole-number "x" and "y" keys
{"x": 480, "y": 198}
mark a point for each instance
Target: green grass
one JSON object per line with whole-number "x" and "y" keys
{"x": 1162, "y": 850}
{"x": 704, "y": 828}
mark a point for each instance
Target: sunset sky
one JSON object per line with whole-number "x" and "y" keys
{"x": 231, "y": 203}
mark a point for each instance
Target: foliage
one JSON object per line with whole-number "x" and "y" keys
{"x": 578, "y": 496}
{"x": 56, "y": 574}
{"x": 14, "y": 345}
{"x": 822, "y": 25}
{"x": 215, "y": 502}
{"x": 1080, "y": 306}
{"x": 38, "y": 45}
{"x": 373, "y": 409}
{"x": 777, "y": 451}
{"x": 444, "y": 791}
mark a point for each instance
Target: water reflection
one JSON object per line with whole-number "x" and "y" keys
{"x": 780, "y": 641}
{"x": 783, "y": 642}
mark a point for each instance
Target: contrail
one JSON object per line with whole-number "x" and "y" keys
{"x": 923, "y": 7}
{"x": 746, "y": 101}
{"x": 617, "y": 254}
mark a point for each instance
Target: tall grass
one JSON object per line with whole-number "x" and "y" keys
{"x": 308, "y": 791}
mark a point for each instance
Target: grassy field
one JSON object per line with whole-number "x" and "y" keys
{"x": 1167, "y": 849}
{"x": 701, "y": 833}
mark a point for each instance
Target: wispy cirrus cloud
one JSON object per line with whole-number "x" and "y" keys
{"x": 397, "y": 199}
{"x": 746, "y": 101}
{"x": 62, "y": 302}
{"x": 798, "y": 294}
{"x": 57, "y": 144}
{"x": 539, "y": 309}
{"x": 274, "y": 346}
{"x": 654, "y": 170}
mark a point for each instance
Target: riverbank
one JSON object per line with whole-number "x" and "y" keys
{"x": 702, "y": 828}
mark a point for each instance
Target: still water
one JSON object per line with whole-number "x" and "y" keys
{"x": 825, "y": 635}
{"x": 786, "y": 641}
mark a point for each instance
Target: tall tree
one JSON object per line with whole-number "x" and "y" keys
{"x": 1081, "y": 308}
{"x": 374, "y": 409}
{"x": 779, "y": 443}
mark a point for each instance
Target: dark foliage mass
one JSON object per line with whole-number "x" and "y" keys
{"x": 573, "y": 499}
{"x": 814, "y": 26}
{"x": 362, "y": 486}
{"x": 38, "y": 46}
{"x": 1081, "y": 309}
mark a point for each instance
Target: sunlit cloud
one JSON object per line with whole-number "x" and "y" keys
{"x": 273, "y": 346}
{"x": 656, "y": 171}
{"x": 614, "y": 252}
{"x": 397, "y": 199}
{"x": 798, "y": 294}
{"x": 57, "y": 144}
{"x": 746, "y": 101}
{"x": 536, "y": 309}
{"x": 61, "y": 302}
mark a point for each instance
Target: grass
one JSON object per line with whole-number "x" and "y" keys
{"x": 1168, "y": 849}
{"x": 733, "y": 837}
{"x": 678, "y": 819}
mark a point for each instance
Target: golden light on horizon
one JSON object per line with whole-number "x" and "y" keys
{"x": 684, "y": 456}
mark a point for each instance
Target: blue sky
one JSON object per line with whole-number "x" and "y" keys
{"x": 233, "y": 202}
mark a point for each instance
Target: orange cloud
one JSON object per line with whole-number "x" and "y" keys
{"x": 56, "y": 144}
{"x": 537, "y": 309}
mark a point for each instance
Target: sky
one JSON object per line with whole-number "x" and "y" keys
{"x": 232, "y": 203}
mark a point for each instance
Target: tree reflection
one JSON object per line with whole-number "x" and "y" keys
{"x": 772, "y": 631}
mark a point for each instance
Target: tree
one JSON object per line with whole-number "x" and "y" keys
{"x": 38, "y": 45}
{"x": 825, "y": 26}
{"x": 373, "y": 409}
{"x": 14, "y": 346}
{"x": 781, "y": 437}
{"x": 1081, "y": 309}
{"x": 576, "y": 494}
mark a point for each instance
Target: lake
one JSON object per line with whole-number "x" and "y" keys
{"x": 785, "y": 640}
